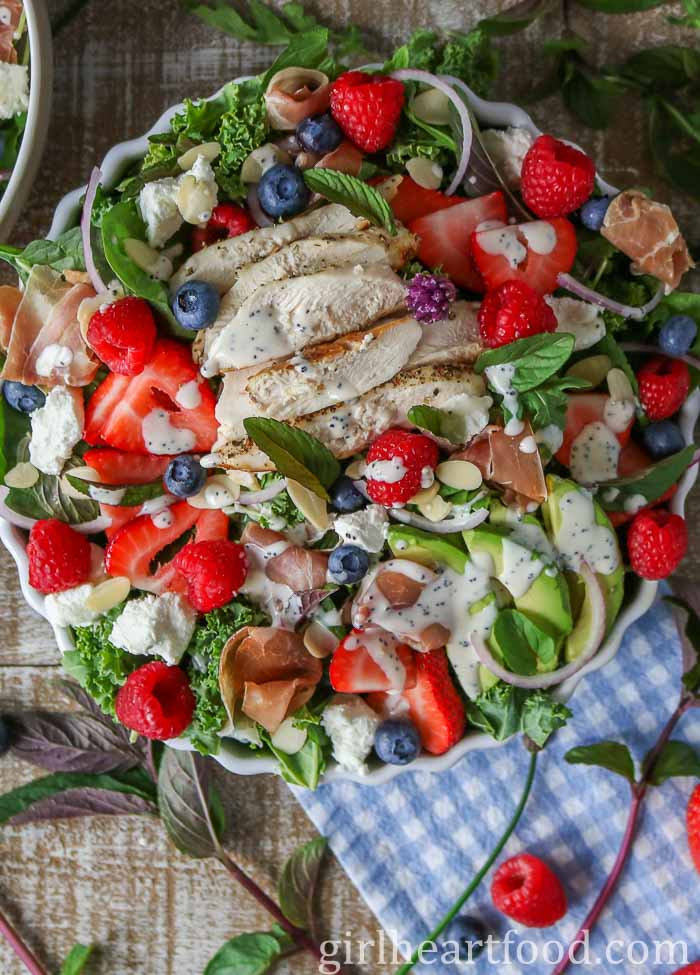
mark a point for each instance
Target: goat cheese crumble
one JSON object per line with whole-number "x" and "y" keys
{"x": 155, "y": 626}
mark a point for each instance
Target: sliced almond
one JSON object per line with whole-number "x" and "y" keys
{"x": 141, "y": 254}
{"x": 389, "y": 187}
{"x": 218, "y": 492}
{"x": 210, "y": 150}
{"x": 432, "y": 106}
{"x": 195, "y": 199}
{"x": 619, "y": 386}
{"x": 425, "y": 172}
{"x": 594, "y": 368}
{"x": 319, "y": 640}
{"x": 459, "y": 474}
{"x": 86, "y": 473}
{"x": 435, "y": 510}
{"x": 23, "y": 475}
{"x": 426, "y": 495}
{"x": 245, "y": 479}
{"x": 108, "y": 594}
{"x": 260, "y": 160}
{"x": 313, "y": 508}
{"x": 288, "y": 738}
{"x": 356, "y": 468}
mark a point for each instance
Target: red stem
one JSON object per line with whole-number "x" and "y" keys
{"x": 639, "y": 791}
{"x": 25, "y": 955}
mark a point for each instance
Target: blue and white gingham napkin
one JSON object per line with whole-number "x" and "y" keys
{"x": 412, "y": 845}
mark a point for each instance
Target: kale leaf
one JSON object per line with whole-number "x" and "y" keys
{"x": 96, "y": 664}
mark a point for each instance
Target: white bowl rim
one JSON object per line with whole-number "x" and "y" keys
{"x": 234, "y": 756}
{"x": 36, "y": 129}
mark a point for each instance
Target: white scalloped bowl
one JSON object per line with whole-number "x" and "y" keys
{"x": 234, "y": 756}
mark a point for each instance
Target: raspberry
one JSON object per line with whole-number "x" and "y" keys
{"x": 397, "y": 461}
{"x": 693, "y": 822}
{"x": 513, "y": 311}
{"x": 156, "y": 701}
{"x": 526, "y": 890}
{"x": 214, "y": 570}
{"x": 59, "y": 558}
{"x": 367, "y": 107}
{"x": 656, "y": 543}
{"x": 556, "y": 179}
{"x": 664, "y": 385}
{"x": 123, "y": 335}
{"x": 227, "y": 220}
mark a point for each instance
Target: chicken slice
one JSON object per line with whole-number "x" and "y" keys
{"x": 454, "y": 340}
{"x": 284, "y": 317}
{"x": 348, "y": 428}
{"x": 324, "y": 375}
{"x": 219, "y": 264}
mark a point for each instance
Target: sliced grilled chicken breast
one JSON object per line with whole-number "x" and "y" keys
{"x": 282, "y": 318}
{"x": 326, "y": 374}
{"x": 454, "y": 340}
{"x": 219, "y": 264}
{"x": 348, "y": 428}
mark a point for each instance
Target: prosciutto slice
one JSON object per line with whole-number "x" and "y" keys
{"x": 295, "y": 93}
{"x": 293, "y": 565}
{"x": 347, "y": 158}
{"x": 9, "y": 303}
{"x": 268, "y": 674}
{"x": 45, "y": 345}
{"x": 508, "y": 462}
{"x": 647, "y": 233}
{"x": 10, "y": 13}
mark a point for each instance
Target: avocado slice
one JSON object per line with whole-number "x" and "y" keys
{"x": 612, "y": 583}
{"x": 419, "y": 546}
{"x": 546, "y": 600}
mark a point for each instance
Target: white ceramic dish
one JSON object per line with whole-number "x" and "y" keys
{"x": 40, "y": 95}
{"x": 237, "y": 758}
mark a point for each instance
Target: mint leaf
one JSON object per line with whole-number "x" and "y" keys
{"x": 295, "y": 453}
{"x": 522, "y": 643}
{"x": 246, "y": 954}
{"x": 124, "y": 495}
{"x": 651, "y": 483}
{"x": 676, "y": 759}
{"x": 298, "y": 882}
{"x": 77, "y": 959}
{"x": 535, "y": 359}
{"x": 611, "y": 755}
{"x": 360, "y": 198}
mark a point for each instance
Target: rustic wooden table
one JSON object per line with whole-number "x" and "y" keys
{"x": 118, "y": 882}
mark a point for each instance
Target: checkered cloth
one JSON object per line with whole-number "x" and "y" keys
{"x": 412, "y": 845}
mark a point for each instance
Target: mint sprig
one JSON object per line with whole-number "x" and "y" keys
{"x": 360, "y": 198}
{"x": 295, "y": 453}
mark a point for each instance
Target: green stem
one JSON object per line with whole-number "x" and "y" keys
{"x": 429, "y": 942}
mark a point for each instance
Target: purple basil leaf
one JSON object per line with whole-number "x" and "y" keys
{"x": 82, "y": 802}
{"x": 686, "y": 611}
{"x": 61, "y": 742}
{"x": 81, "y": 697}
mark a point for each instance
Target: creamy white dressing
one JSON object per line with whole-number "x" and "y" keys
{"x": 161, "y": 437}
{"x": 580, "y": 539}
{"x": 427, "y": 477}
{"x": 540, "y": 235}
{"x": 618, "y": 414}
{"x": 54, "y": 358}
{"x": 519, "y": 570}
{"x": 528, "y": 445}
{"x": 210, "y": 460}
{"x": 503, "y": 241}
{"x": 530, "y": 534}
{"x": 163, "y": 519}
{"x": 389, "y": 471}
{"x": 106, "y": 495}
{"x": 634, "y": 503}
{"x": 154, "y": 505}
{"x": 279, "y": 600}
{"x": 595, "y": 454}
{"x": 500, "y": 379}
{"x": 189, "y": 395}
{"x": 551, "y": 436}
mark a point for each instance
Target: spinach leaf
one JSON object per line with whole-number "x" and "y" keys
{"x": 442, "y": 423}
{"x": 295, "y": 454}
{"x": 77, "y": 960}
{"x": 297, "y": 883}
{"x": 522, "y": 643}
{"x": 307, "y": 765}
{"x": 63, "y": 254}
{"x": 360, "y": 198}
{"x": 546, "y": 405}
{"x": 611, "y": 755}
{"x": 535, "y": 359}
{"x": 650, "y": 483}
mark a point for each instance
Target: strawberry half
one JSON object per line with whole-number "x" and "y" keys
{"x": 411, "y": 201}
{"x": 434, "y": 705}
{"x": 582, "y": 409}
{"x": 117, "y": 409}
{"x": 533, "y": 252}
{"x": 118, "y": 467}
{"x": 445, "y": 237}
{"x": 133, "y": 548}
{"x": 354, "y": 671}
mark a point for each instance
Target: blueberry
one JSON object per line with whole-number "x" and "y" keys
{"x": 469, "y": 933}
{"x": 184, "y": 476}
{"x": 348, "y": 564}
{"x": 663, "y": 438}
{"x": 4, "y": 736}
{"x": 677, "y": 335}
{"x": 345, "y": 497}
{"x": 593, "y": 212}
{"x": 196, "y": 305}
{"x": 26, "y": 399}
{"x": 282, "y": 191}
{"x": 319, "y": 133}
{"x": 397, "y": 741}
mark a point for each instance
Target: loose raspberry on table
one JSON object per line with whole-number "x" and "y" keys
{"x": 656, "y": 543}
{"x": 429, "y": 297}
{"x": 513, "y": 311}
{"x": 59, "y": 557}
{"x": 367, "y": 107}
{"x": 156, "y": 701}
{"x": 399, "y": 464}
{"x": 525, "y": 889}
{"x": 556, "y": 179}
{"x": 214, "y": 571}
{"x": 664, "y": 385}
{"x": 693, "y": 823}
{"x": 123, "y": 335}
{"x": 692, "y": 969}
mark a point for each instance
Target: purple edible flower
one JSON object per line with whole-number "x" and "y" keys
{"x": 429, "y": 297}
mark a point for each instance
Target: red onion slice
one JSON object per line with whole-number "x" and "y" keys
{"x": 541, "y": 681}
{"x": 426, "y": 78}
{"x": 690, "y": 360}
{"x": 256, "y": 211}
{"x": 638, "y": 313}
{"x": 266, "y": 494}
{"x": 444, "y": 527}
{"x": 85, "y": 224}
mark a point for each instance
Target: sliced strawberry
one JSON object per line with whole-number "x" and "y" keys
{"x": 445, "y": 237}
{"x": 411, "y": 201}
{"x": 118, "y": 407}
{"x": 354, "y": 671}
{"x": 118, "y": 516}
{"x": 634, "y": 459}
{"x": 524, "y": 252}
{"x": 117, "y": 467}
{"x": 134, "y": 547}
{"x": 582, "y": 409}
{"x": 434, "y": 705}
